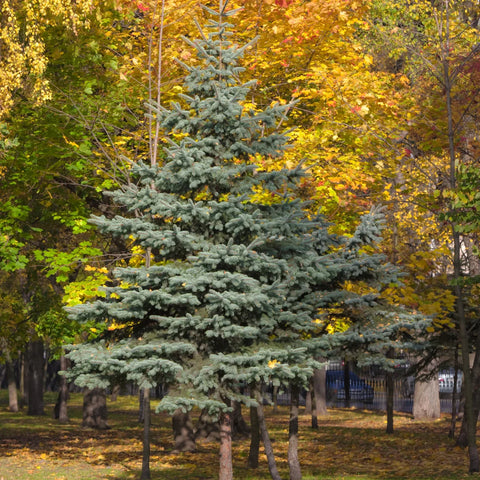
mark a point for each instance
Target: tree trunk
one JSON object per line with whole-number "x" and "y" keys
{"x": 390, "y": 386}
{"x": 453, "y": 420}
{"x": 346, "y": 383}
{"x": 207, "y": 429}
{"x": 426, "y": 400}
{"x": 141, "y": 404}
{"x": 12, "y": 387}
{"x": 254, "y": 439}
{"x": 240, "y": 428}
{"x": 267, "y": 444}
{"x": 226, "y": 466}
{"x": 60, "y": 412}
{"x": 320, "y": 390}
{"x": 183, "y": 432}
{"x": 115, "y": 393}
{"x": 313, "y": 404}
{"x": 35, "y": 378}
{"x": 23, "y": 378}
{"x": 95, "y": 409}
{"x": 293, "y": 462}
{"x": 146, "y": 436}
{"x": 275, "y": 399}
{"x": 447, "y": 84}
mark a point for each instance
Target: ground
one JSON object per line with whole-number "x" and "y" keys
{"x": 349, "y": 444}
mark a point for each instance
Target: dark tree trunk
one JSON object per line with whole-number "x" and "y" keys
{"x": 226, "y": 466}
{"x": 12, "y": 387}
{"x": 35, "y": 377}
{"x": 309, "y": 399}
{"x": 453, "y": 421}
{"x": 146, "y": 436}
{"x": 313, "y": 407}
{"x": 60, "y": 411}
{"x": 390, "y": 385}
{"x": 240, "y": 428}
{"x": 293, "y": 462}
{"x": 207, "y": 429}
{"x": 115, "y": 393}
{"x": 183, "y": 432}
{"x": 346, "y": 383}
{"x": 254, "y": 439}
{"x": 320, "y": 389}
{"x": 267, "y": 444}
{"x": 23, "y": 379}
{"x": 275, "y": 399}
{"x": 141, "y": 417}
{"x": 95, "y": 409}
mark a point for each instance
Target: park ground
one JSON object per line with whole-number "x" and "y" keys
{"x": 349, "y": 444}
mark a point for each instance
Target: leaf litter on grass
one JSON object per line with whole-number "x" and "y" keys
{"x": 347, "y": 444}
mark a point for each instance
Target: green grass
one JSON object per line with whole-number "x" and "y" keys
{"x": 349, "y": 445}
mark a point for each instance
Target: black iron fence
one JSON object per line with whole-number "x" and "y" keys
{"x": 368, "y": 390}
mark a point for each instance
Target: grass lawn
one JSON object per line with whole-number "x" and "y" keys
{"x": 349, "y": 444}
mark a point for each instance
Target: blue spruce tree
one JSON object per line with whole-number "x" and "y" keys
{"x": 232, "y": 289}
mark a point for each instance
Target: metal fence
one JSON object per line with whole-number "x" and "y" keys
{"x": 373, "y": 384}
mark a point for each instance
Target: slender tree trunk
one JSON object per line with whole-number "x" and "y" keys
{"x": 390, "y": 385}
{"x": 313, "y": 406}
{"x": 275, "y": 399}
{"x": 320, "y": 391}
{"x": 23, "y": 378}
{"x": 115, "y": 393}
{"x": 141, "y": 404}
{"x": 254, "y": 439}
{"x": 12, "y": 387}
{"x": 146, "y": 435}
{"x": 267, "y": 444}
{"x": 61, "y": 405}
{"x": 457, "y": 266}
{"x": 453, "y": 421}
{"x": 226, "y": 465}
{"x": 346, "y": 383}
{"x": 239, "y": 426}
{"x": 35, "y": 378}
{"x": 293, "y": 461}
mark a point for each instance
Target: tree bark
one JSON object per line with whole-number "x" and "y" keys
{"x": 448, "y": 83}
{"x": 61, "y": 405}
{"x": 426, "y": 400}
{"x": 115, "y": 393}
{"x": 146, "y": 436}
{"x": 12, "y": 387}
{"x": 226, "y": 465}
{"x": 320, "y": 390}
{"x": 240, "y": 429}
{"x": 35, "y": 378}
{"x": 390, "y": 386}
{"x": 141, "y": 404}
{"x": 254, "y": 439}
{"x": 207, "y": 429}
{"x": 183, "y": 434}
{"x": 346, "y": 383}
{"x": 95, "y": 409}
{"x": 293, "y": 462}
{"x": 267, "y": 444}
